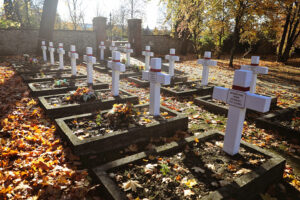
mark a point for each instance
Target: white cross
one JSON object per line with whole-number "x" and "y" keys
{"x": 172, "y": 58}
{"x": 256, "y": 69}
{"x": 113, "y": 48}
{"x": 102, "y": 48}
{"x": 156, "y": 78}
{"x": 206, "y": 62}
{"x": 116, "y": 67}
{"x": 90, "y": 61}
{"x": 44, "y": 49}
{"x": 61, "y": 53}
{"x": 73, "y": 55}
{"x": 128, "y": 51}
{"x": 239, "y": 99}
{"x": 51, "y": 50}
{"x": 147, "y": 55}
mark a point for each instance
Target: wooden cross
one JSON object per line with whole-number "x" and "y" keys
{"x": 256, "y": 69}
{"x": 116, "y": 68}
{"x": 172, "y": 58}
{"x": 239, "y": 99}
{"x": 73, "y": 55}
{"x": 206, "y": 62}
{"x": 147, "y": 53}
{"x": 156, "y": 78}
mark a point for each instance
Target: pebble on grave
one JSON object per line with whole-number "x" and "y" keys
{"x": 256, "y": 69}
{"x": 61, "y": 53}
{"x": 51, "y": 49}
{"x": 44, "y": 49}
{"x": 128, "y": 51}
{"x": 172, "y": 58}
{"x": 239, "y": 99}
{"x": 116, "y": 67}
{"x": 102, "y": 48}
{"x": 73, "y": 56}
{"x": 156, "y": 78}
{"x": 113, "y": 47}
{"x": 147, "y": 53}
{"x": 206, "y": 63}
{"x": 90, "y": 61}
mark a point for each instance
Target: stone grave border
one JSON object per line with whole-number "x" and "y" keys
{"x": 244, "y": 187}
{"x": 119, "y": 139}
{"x": 27, "y": 79}
{"x": 203, "y": 90}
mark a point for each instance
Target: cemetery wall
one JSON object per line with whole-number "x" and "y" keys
{"x": 161, "y": 44}
{"x": 18, "y": 42}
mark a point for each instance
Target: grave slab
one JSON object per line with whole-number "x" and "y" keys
{"x": 75, "y": 108}
{"x": 245, "y": 186}
{"x": 123, "y": 137}
{"x": 50, "y": 76}
{"x": 47, "y": 87}
{"x": 280, "y": 121}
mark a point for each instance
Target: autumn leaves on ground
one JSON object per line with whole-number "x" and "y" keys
{"x": 33, "y": 161}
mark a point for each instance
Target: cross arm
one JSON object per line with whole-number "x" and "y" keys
{"x": 164, "y": 79}
{"x": 220, "y": 93}
{"x": 256, "y": 69}
{"x": 145, "y": 75}
{"x": 207, "y": 62}
{"x": 257, "y": 102}
{"x": 60, "y": 51}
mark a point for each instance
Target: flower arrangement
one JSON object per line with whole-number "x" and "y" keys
{"x": 82, "y": 94}
{"x": 123, "y": 60}
{"x": 60, "y": 83}
{"x": 122, "y": 114}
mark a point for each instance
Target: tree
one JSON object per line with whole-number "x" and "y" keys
{"x": 76, "y": 13}
{"x": 135, "y": 8}
{"x": 47, "y": 22}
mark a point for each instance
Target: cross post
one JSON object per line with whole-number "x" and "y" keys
{"x": 73, "y": 56}
{"x": 44, "y": 49}
{"x": 51, "y": 50}
{"x": 61, "y": 53}
{"x": 102, "y": 48}
{"x": 90, "y": 61}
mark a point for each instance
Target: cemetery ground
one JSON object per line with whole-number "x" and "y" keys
{"x": 36, "y": 163}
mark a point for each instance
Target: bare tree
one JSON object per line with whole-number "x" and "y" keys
{"x": 136, "y": 8}
{"x": 76, "y": 12}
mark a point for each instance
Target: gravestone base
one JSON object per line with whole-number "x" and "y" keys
{"x": 247, "y": 186}
{"x": 74, "y": 84}
{"x": 84, "y": 107}
{"x": 273, "y": 121}
{"x": 119, "y": 139}
{"x": 220, "y": 108}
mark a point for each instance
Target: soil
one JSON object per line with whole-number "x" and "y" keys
{"x": 293, "y": 122}
{"x": 191, "y": 173}
{"x": 60, "y": 100}
{"x": 102, "y": 124}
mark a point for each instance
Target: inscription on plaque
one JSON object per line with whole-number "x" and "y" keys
{"x": 236, "y": 98}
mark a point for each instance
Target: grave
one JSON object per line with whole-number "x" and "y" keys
{"x": 221, "y": 108}
{"x": 51, "y": 50}
{"x": 73, "y": 57}
{"x": 285, "y": 122}
{"x": 83, "y": 100}
{"x": 113, "y": 47}
{"x": 187, "y": 169}
{"x": 90, "y": 61}
{"x": 109, "y": 133}
{"x": 194, "y": 87}
{"x": 239, "y": 99}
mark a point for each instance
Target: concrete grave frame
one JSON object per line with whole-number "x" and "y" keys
{"x": 119, "y": 139}
{"x": 267, "y": 122}
{"x": 244, "y": 187}
{"x": 201, "y": 90}
{"x": 140, "y": 82}
{"x": 79, "y": 108}
{"x": 49, "y": 91}
{"x": 46, "y": 69}
{"x": 27, "y": 78}
{"x": 212, "y": 107}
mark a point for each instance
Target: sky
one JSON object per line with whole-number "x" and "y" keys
{"x": 106, "y": 6}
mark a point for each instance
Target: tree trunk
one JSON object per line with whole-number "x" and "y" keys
{"x": 8, "y": 9}
{"x": 236, "y": 37}
{"x": 283, "y": 37}
{"x": 47, "y": 23}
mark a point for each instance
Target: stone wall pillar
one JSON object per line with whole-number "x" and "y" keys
{"x": 135, "y": 35}
{"x": 99, "y": 26}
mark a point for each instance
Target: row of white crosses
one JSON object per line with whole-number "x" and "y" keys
{"x": 240, "y": 98}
